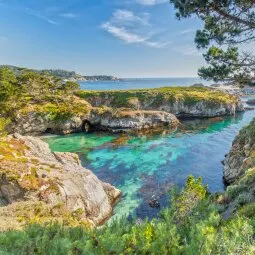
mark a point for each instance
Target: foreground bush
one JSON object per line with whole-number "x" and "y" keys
{"x": 200, "y": 230}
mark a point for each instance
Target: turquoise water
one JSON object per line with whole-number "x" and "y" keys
{"x": 141, "y": 83}
{"x": 143, "y": 166}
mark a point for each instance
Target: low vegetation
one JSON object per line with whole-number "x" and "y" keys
{"x": 192, "y": 225}
{"x": 62, "y": 74}
{"x": 155, "y": 97}
{"x": 29, "y": 91}
{"x": 196, "y": 222}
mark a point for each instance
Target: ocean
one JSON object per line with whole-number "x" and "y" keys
{"x": 141, "y": 83}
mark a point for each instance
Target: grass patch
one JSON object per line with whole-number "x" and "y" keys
{"x": 156, "y": 97}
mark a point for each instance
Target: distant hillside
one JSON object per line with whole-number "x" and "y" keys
{"x": 66, "y": 75}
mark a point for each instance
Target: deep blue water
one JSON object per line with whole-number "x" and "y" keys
{"x": 141, "y": 83}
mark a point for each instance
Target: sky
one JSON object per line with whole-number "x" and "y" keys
{"x": 124, "y": 38}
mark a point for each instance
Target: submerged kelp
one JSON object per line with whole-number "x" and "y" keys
{"x": 146, "y": 165}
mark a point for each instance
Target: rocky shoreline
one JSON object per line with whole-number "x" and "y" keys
{"x": 134, "y": 112}
{"x": 235, "y": 90}
{"x": 242, "y": 154}
{"x": 54, "y": 181}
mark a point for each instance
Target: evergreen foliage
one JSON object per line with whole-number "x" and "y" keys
{"x": 28, "y": 90}
{"x": 228, "y": 24}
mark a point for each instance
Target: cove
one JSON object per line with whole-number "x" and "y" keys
{"x": 143, "y": 166}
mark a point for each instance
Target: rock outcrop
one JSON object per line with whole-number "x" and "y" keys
{"x": 33, "y": 123}
{"x": 242, "y": 154}
{"x": 182, "y": 102}
{"x": 123, "y": 110}
{"x": 127, "y": 120}
{"x": 250, "y": 102}
{"x": 31, "y": 172}
{"x": 200, "y": 109}
{"x": 98, "y": 119}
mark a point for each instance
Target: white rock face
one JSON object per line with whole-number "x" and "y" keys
{"x": 78, "y": 188}
{"x": 200, "y": 109}
{"x": 35, "y": 123}
{"x": 179, "y": 107}
{"x": 133, "y": 120}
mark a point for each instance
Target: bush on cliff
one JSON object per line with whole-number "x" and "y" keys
{"x": 200, "y": 230}
{"x": 41, "y": 93}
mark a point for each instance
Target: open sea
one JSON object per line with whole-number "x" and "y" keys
{"x": 141, "y": 83}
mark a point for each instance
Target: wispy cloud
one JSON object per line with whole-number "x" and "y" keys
{"x": 188, "y": 50}
{"x": 187, "y": 31}
{"x": 40, "y": 16}
{"x": 125, "y": 16}
{"x": 69, "y": 15}
{"x": 131, "y": 28}
{"x": 123, "y": 34}
{"x": 151, "y": 2}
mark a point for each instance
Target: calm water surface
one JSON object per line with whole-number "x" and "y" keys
{"x": 143, "y": 166}
{"x": 141, "y": 83}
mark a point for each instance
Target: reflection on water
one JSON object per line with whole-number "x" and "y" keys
{"x": 146, "y": 165}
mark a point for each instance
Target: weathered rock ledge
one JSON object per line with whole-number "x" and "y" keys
{"x": 31, "y": 172}
{"x": 126, "y": 120}
{"x": 242, "y": 154}
{"x": 98, "y": 119}
{"x": 180, "y": 101}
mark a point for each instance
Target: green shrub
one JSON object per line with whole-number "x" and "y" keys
{"x": 3, "y": 123}
{"x": 247, "y": 210}
{"x": 242, "y": 199}
{"x": 203, "y": 231}
{"x": 234, "y": 190}
{"x": 155, "y": 97}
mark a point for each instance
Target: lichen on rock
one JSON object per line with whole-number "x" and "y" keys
{"x": 31, "y": 172}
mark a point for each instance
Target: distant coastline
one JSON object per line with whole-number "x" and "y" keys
{"x": 66, "y": 75}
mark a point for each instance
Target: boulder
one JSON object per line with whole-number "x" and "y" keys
{"x": 56, "y": 178}
{"x": 250, "y": 102}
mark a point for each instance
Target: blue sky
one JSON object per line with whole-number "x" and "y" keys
{"x": 125, "y": 38}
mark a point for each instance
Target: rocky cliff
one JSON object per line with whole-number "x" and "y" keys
{"x": 122, "y": 110}
{"x": 181, "y": 101}
{"x": 239, "y": 175}
{"x": 242, "y": 154}
{"x": 98, "y": 118}
{"x": 128, "y": 119}
{"x": 51, "y": 185}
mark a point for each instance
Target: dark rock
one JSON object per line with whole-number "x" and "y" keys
{"x": 154, "y": 203}
{"x": 250, "y": 102}
{"x": 198, "y": 85}
{"x": 248, "y": 108}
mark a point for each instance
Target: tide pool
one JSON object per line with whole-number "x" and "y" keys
{"x": 146, "y": 166}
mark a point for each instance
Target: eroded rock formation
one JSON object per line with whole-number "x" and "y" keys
{"x": 31, "y": 172}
